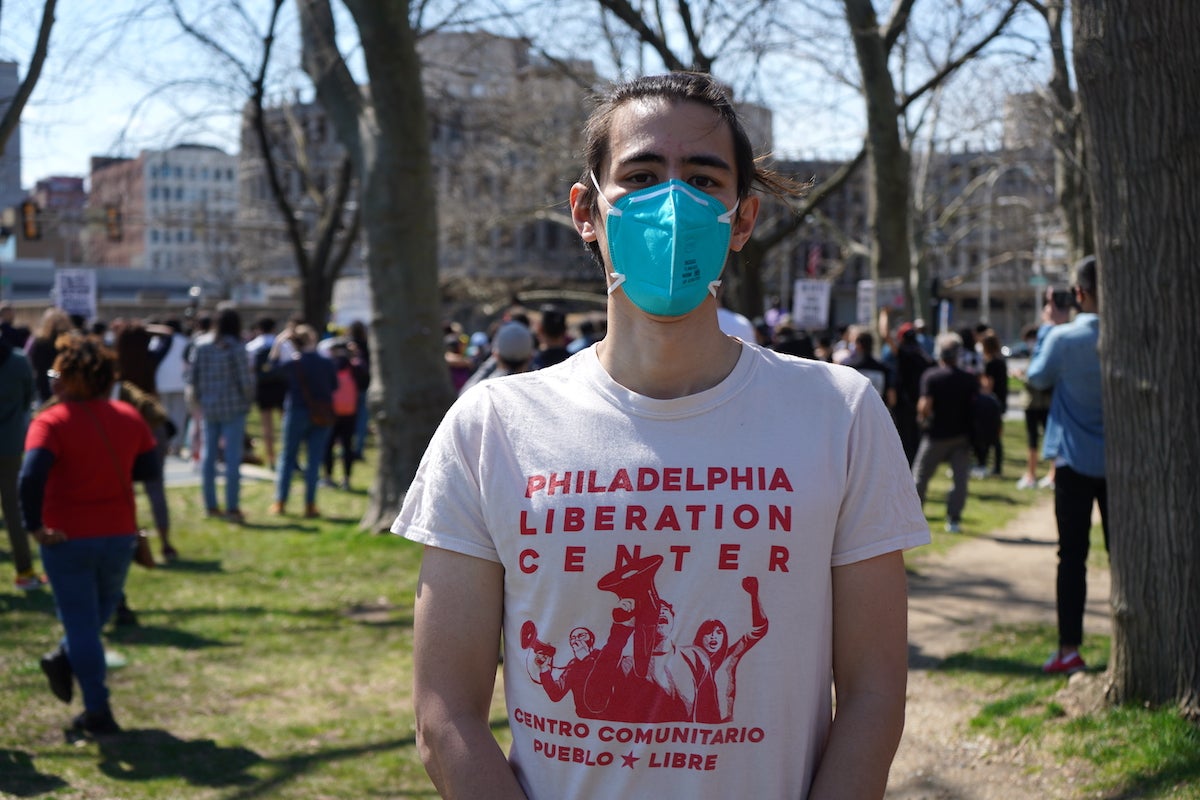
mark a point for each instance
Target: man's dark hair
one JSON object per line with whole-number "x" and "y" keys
{"x": 265, "y": 324}
{"x": 1085, "y": 275}
{"x": 229, "y": 323}
{"x": 865, "y": 342}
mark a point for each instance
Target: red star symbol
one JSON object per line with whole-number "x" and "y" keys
{"x": 629, "y": 760}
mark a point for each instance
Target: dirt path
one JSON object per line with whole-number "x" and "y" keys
{"x": 1004, "y": 578}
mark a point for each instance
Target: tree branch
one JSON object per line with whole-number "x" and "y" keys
{"x": 12, "y": 115}
{"x": 629, "y": 15}
{"x": 322, "y": 61}
{"x": 966, "y": 56}
{"x": 258, "y": 84}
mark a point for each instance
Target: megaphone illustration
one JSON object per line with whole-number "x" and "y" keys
{"x": 530, "y": 641}
{"x": 635, "y": 581}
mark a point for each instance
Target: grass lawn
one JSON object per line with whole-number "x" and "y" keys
{"x": 273, "y": 660}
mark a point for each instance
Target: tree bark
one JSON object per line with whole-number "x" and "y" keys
{"x": 386, "y": 132}
{"x": 1138, "y": 69}
{"x": 889, "y": 175}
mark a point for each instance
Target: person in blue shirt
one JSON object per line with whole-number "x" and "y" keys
{"x": 1068, "y": 362}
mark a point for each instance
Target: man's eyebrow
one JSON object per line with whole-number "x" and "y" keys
{"x": 697, "y": 159}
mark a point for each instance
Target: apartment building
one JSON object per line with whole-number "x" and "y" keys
{"x": 170, "y": 210}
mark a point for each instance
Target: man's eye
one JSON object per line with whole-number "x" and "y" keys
{"x": 702, "y": 182}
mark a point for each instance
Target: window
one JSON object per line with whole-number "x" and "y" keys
{"x": 154, "y": 239}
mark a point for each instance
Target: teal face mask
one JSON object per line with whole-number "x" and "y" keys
{"x": 668, "y": 244}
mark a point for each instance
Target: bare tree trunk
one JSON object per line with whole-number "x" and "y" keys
{"x": 387, "y": 136}
{"x": 889, "y": 175}
{"x": 1138, "y": 70}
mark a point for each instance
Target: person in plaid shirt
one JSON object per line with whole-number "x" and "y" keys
{"x": 222, "y": 387}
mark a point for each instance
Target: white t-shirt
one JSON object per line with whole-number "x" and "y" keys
{"x": 633, "y": 518}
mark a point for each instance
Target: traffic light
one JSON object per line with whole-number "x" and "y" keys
{"x": 30, "y": 220}
{"x": 112, "y": 222}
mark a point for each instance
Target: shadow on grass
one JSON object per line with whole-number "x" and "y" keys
{"x": 1023, "y": 541}
{"x": 148, "y": 754}
{"x": 19, "y": 777}
{"x": 289, "y": 768}
{"x": 198, "y": 566}
{"x": 1007, "y": 500}
{"x": 160, "y": 636}
{"x": 998, "y": 665}
{"x": 30, "y": 602}
{"x": 1160, "y": 783}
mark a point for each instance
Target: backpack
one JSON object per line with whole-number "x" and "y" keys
{"x": 345, "y": 396}
{"x": 270, "y": 385}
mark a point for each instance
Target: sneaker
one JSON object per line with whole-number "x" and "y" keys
{"x": 346, "y": 485}
{"x": 124, "y": 617}
{"x": 57, "y": 667}
{"x": 1027, "y": 482}
{"x": 95, "y": 723}
{"x": 979, "y": 472}
{"x": 311, "y": 512}
{"x": 169, "y": 554}
{"x": 277, "y": 508}
{"x": 1058, "y": 664}
{"x": 953, "y": 526}
{"x": 29, "y": 581}
{"x": 328, "y": 483}
{"x": 236, "y": 517}
{"x": 1046, "y": 483}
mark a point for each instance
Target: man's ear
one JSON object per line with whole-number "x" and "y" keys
{"x": 743, "y": 223}
{"x": 581, "y": 212}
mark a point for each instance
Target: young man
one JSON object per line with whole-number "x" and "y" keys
{"x": 1068, "y": 362}
{"x": 637, "y": 489}
{"x": 947, "y": 395}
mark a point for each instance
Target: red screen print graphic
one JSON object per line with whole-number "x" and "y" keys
{"x": 640, "y": 674}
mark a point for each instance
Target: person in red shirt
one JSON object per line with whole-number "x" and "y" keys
{"x": 82, "y": 456}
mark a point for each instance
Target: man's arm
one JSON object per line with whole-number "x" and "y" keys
{"x": 870, "y": 671}
{"x": 456, "y": 638}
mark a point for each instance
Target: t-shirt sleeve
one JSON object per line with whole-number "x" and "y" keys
{"x": 880, "y": 511}
{"x": 443, "y": 507}
{"x": 40, "y": 435}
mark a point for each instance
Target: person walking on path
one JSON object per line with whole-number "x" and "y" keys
{"x": 1067, "y": 361}
{"x": 642, "y": 446}
{"x": 223, "y": 388}
{"x": 947, "y": 394}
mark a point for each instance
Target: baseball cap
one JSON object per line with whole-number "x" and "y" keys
{"x": 513, "y": 342}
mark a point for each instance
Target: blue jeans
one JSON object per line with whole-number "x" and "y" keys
{"x": 232, "y": 430}
{"x": 88, "y": 579}
{"x": 297, "y": 428}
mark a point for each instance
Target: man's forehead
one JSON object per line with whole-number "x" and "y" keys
{"x": 660, "y": 131}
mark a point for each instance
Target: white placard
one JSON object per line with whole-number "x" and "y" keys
{"x": 865, "y": 305}
{"x": 810, "y": 304}
{"x": 75, "y": 291}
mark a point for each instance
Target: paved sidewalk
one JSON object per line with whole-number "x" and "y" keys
{"x": 181, "y": 472}
{"x": 996, "y": 579}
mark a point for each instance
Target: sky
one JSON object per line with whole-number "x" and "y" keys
{"x": 96, "y": 94}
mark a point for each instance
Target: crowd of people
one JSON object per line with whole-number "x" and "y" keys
{"x": 89, "y": 411}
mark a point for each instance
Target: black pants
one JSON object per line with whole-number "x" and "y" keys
{"x": 1073, "y": 497}
{"x": 343, "y": 431}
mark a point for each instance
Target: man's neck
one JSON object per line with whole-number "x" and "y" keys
{"x": 666, "y": 359}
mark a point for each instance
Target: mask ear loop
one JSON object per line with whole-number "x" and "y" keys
{"x": 727, "y": 217}
{"x": 618, "y": 277}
